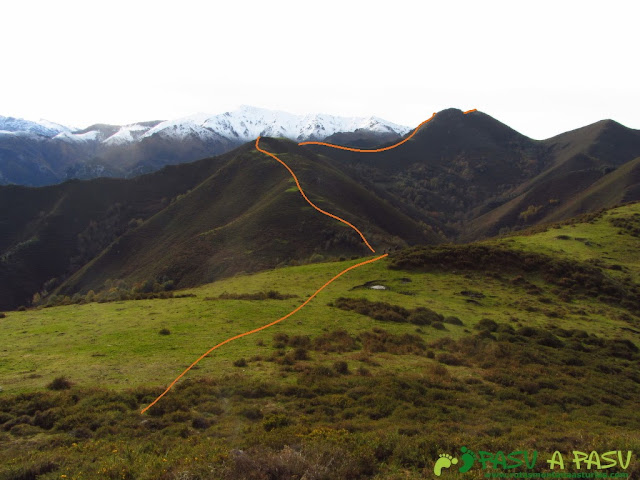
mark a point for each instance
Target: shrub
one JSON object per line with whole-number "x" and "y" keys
{"x": 165, "y": 331}
{"x": 487, "y": 324}
{"x": 200, "y": 423}
{"x": 252, "y": 413}
{"x": 423, "y": 316}
{"x": 32, "y": 469}
{"x": 549, "y": 340}
{"x": 453, "y": 321}
{"x": 60, "y": 383}
{"x": 275, "y": 420}
{"x": 337, "y": 341}
{"x": 450, "y": 359}
{"x": 240, "y": 363}
{"x": 505, "y": 328}
{"x": 439, "y": 370}
{"x": 419, "y": 319}
{"x": 527, "y": 331}
{"x": 341, "y": 367}
{"x": 438, "y": 326}
{"x": 377, "y": 310}
{"x": 269, "y": 295}
{"x": 380, "y": 340}
{"x": 300, "y": 354}
{"x": 280, "y": 340}
{"x": 322, "y": 371}
{"x": 299, "y": 341}
{"x": 47, "y": 419}
{"x": 319, "y": 460}
{"x": 3, "y": 315}
{"x": 529, "y": 387}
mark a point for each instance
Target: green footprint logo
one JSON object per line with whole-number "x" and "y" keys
{"x": 468, "y": 459}
{"x": 445, "y": 461}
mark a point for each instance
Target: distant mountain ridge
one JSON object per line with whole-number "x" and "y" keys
{"x": 43, "y": 153}
{"x": 19, "y": 126}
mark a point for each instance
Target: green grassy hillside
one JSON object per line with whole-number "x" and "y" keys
{"x": 526, "y": 342}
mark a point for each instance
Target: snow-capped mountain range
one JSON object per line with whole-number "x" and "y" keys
{"x": 44, "y": 152}
{"x": 243, "y": 125}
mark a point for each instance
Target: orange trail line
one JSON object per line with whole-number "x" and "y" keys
{"x": 307, "y": 199}
{"x": 376, "y": 149}
{"x": 379, "y": 149}
{"x": 262, "y": 327}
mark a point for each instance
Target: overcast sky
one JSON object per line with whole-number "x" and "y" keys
{"x": 542, "y": 67}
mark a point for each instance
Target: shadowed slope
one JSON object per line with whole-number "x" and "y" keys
{"x": 249, "y": 216}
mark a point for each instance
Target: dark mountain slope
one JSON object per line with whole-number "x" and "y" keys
{"x": 584, "y": 163}
{"x": 618, "y": 187}
{"x": 453, "y": 164}
{"x": 153, "y": 153}
{"x": 46, "y": 233}
{"x": 473, "y": 176}
{"x": 361, "y": 138}
{"x": 249, "y": 216}
{"x": 34, "y": 160}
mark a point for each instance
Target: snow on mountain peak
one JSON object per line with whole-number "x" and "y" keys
{"x": 246, "y": 123}
{"x": 27, "y": 127}
{"x": 127, "y": 134}
{"x": 241, "y": 125}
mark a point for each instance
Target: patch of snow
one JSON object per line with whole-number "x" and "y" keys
{"x": 90, "y": 136}
{"x": 127, "y": 134}
{"x": 246, "y": 123}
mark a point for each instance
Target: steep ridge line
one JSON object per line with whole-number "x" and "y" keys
{"x": 376, "y": 149}
{"x": 384, "y": 149}
{"x": 352, "y": 267}
{"x": 307, "y": 199}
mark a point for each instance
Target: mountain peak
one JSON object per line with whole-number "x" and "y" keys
{"x": 450, "y": 113}
{"x": 247, "y": 122}
{"x": 43, "y": 128}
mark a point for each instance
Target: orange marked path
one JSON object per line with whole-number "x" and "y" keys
{"x": 307, "y": 199}
{"x": 375, "y": 149}
{"x": 379, "y": 149}
{"x": 262, "y": 327}
{"x": 321, "y": 211}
